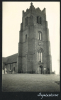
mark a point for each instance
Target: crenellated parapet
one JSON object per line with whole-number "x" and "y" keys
{"x": 38, "y": 10}
{"x": 44, "y": 11}
{"x": 32, "y": 9}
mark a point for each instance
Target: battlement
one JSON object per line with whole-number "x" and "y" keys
{"x": 44, "y": 11}
{"x": 32, "y": 9}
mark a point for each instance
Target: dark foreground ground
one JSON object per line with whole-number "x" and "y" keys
{"x": 30, "y": 83}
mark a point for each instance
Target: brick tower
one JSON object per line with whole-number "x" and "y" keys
{"x": 34, "y": 45}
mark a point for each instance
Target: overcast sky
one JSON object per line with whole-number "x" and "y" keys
{"x": 11, "y": 19}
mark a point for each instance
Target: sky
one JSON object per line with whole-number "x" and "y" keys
{"x": 12, "y": 18}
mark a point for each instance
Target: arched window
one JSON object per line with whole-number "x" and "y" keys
{"x": 39, "y": 35}
{"x": 39, "y": 56}
{"x": 38, "y": 19}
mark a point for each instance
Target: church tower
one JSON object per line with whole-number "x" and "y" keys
{"x": 34, "y": 45}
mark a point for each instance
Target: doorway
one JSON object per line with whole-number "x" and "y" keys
{"x": 41, "y": 67}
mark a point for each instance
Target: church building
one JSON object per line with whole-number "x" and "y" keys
{"x": 33, "y": 47}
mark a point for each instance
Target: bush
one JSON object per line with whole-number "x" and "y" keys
{"x": 53, "y": 72}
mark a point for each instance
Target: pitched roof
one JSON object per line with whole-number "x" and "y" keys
{"x": 4, "y": 59}
{"x": 10, "y": 59}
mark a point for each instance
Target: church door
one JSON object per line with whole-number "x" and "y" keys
{"x": 41, "y": 69}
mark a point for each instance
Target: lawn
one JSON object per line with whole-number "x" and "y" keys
{"x": 30, "y": 83}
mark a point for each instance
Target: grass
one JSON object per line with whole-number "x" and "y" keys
{"x": 30, "y": 83}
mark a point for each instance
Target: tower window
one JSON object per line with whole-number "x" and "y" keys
{"x": 39, "y": 35}
{"x": 38, "y": 20}
{"x": 39, "y": 56}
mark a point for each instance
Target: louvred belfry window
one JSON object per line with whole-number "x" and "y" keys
{"x": 39, "y": 20}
